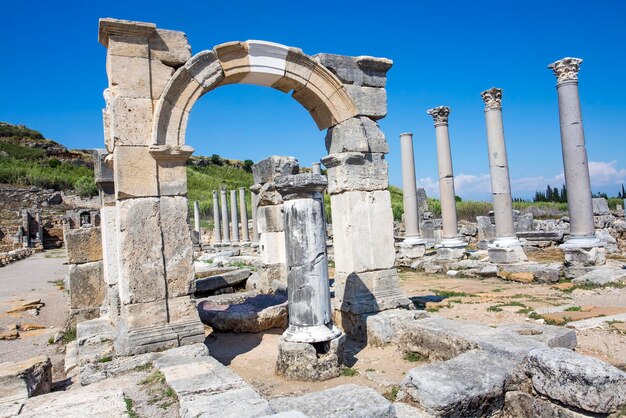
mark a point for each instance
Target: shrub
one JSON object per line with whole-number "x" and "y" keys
{"x": 86, "y": 187}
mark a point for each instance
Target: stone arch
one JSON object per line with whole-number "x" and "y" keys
{"x": 252, "y": 62}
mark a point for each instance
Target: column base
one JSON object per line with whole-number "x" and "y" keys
{"x": 417, "y": 240}
{"x": 451, "y": 243}
{"x": 157, "y": 337}
{"x": 507, "y": 255}
{"x": 310, "y": 334}
{"x": 450, "y": 253}
{"x": 310, "y": 361}
{"x": 505, "y": 242}
{"x": 587, "y": 242}
{"x": 411, "y": 251}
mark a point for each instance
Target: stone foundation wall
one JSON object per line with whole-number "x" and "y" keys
{"x": 85, "y": 277}
{"x": 15, "y": 255}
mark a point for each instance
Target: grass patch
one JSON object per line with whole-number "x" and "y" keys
{"x": 58, "y": 283}
{"x": 370, "y": 370}
{"x": 51, "y": 340}
{"x": 534, "y": 315}
{"x": 143, "y": 367}
{"x": 592, "y": 286}
{"x": 392, "y": 394}
{"x": 349, "y": 372}
{"x": 153, "y": 379}
{"x": 498, "y": 307}
{"x": 241, "y": 265}
{"x": 105, "y": 359}
{"x": 413, "y": 357}
{"x": 497, "y": 290}
{"x": 69, "y": 336}
{"x": 448, "y": 293}
{"x": 574, "y": 309}
{"x": 160, "y": 392}
{"x": 525, "y": 311}
{"x": 433, "y": 309}
{"x": 129, "y": 408}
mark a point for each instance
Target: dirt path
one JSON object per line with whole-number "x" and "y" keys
{"x": 31, "y": 279}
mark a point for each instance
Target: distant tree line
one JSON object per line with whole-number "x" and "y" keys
{"x": 552, "y": 194}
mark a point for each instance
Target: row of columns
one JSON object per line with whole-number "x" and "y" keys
{"x": 222, "y": 231}
{"x": 506, "y": 248}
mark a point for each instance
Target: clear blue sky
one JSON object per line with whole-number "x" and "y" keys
{"x": 52, "y": 73}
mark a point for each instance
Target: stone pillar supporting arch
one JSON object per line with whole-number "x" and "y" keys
{"x": 154, "y": 82}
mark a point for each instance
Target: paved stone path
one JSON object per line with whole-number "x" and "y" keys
{"x": 28, "y": 279}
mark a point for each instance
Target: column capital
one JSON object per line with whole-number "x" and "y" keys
{"x": 440, "y": 115}
{"x": 492, "y": 98}
{"x": 566, "y": 69}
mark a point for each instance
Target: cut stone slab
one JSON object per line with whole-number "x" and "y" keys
{"x": 339, "y": 402}
{"x": 220, "y": 281}
{"x": 207, "y": 270}
{"x": 521, "y": 404}
{"x": 89, "y": 401}
{"x": 254, "y": 314}
{"x": 598, "y": 322}
{"x": 207, "y": 388}
{"x": 591, "y": 312}
{"x": 575, "y": 380}
{"x": 83, "y": 245}
{"x": 22, "y": 380}
{"x": 602, "y": 276}
{"x": 455, "y": 388}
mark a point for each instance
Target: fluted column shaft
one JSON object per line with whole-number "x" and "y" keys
{"x": 243, "y": 212}
{"x": 234, "y": 222}
{"x": 499, "y": 169}
{"x": 409, "y": 191}
{"x": 224, "y": 204}
{"x": 217, "y": 236}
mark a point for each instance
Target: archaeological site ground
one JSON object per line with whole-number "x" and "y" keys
{"x": 140, "y": 280}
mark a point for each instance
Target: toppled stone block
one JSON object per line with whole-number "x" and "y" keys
{"x": 310, "y": 361}
{"x": 367, "y": 292}
{"x": 384, "y": 328}
{"x": 268, "y": 169}
{"x": 509, "y": 255}
{"x": 576, "y": 380}
{"x": 584, "y": 257}
{"x": 339, "y": 402}
{"x": 522, "y": 404}
{"x": 22, "y": 380}
{"x": 456, "y": 388}
{"x": 227, "y": 279}
{"x": 255, "y": 314}
{"x": 83, "y": 245}
{"x": 603, "y": 276}
{"x": 600, "y": 206}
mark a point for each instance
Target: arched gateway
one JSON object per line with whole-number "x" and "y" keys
{"x": 153, "y": 84}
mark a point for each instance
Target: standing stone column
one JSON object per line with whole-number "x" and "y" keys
{"x": 217, "y": 236}
{"x": 243, "y": 211}
{"x": 451, "y": 246}
{"x": 316, "y": 168}
{"x": 254, "y": 203}
{"x": 506, "y": 248}
{"x": 409, "y": 190}
{"x": 225, "y": 228}
{"x": 312, "y": 347}
{"x": 196, "y": 235}
{"x": 583, "y": 241}
{"x": 233, "y": 216}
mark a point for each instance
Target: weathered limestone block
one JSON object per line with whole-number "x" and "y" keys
{"x": 170, "y": 47}
{"x": 584, "y": 257}
{"x": 518, "y": 404}
{"x": 302, "y": 361}
{"x": 141, "y": 315}
{"x": 358, "y": 134}
{"x": 135, "y": 172}
{"x": 371, "y": 291}
{"x": 341, "y": 401}
{"x": 160, "y": 75}
{"x": 205, "y": 68}
{"x": 369, "y": 101}
{"x": 363, "y": 228}
{"x": 219, "y": 281}
{"x": 268, "y": 169}
{"x": 130, "y": 120}
{"x": 360, "y": 71}
{"x": 128, "y": 76}
{"x": 86, "y": 285}
{"x": 22, "y": 380}
{"x": 83, "y": 245}
{"x": 600, "y": 206}
{"x": 272, "y": 248}
{"x": 576, "y": 380}
{"x": 507, "y": 255}
{"x": 352, "y": 171}
{"x": 270, "y": 219}
{"x": 177, "y": 246}
{"x": 172, "y": 177}
{"x": 140, "y": 251}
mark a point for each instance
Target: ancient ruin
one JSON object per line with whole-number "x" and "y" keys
{"x": 263, "y": 301}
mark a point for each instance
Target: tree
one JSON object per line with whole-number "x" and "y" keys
{"x": 216, "y": 160}
{"x": 563, "y": 194}
{"x": 247, "y": 166}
